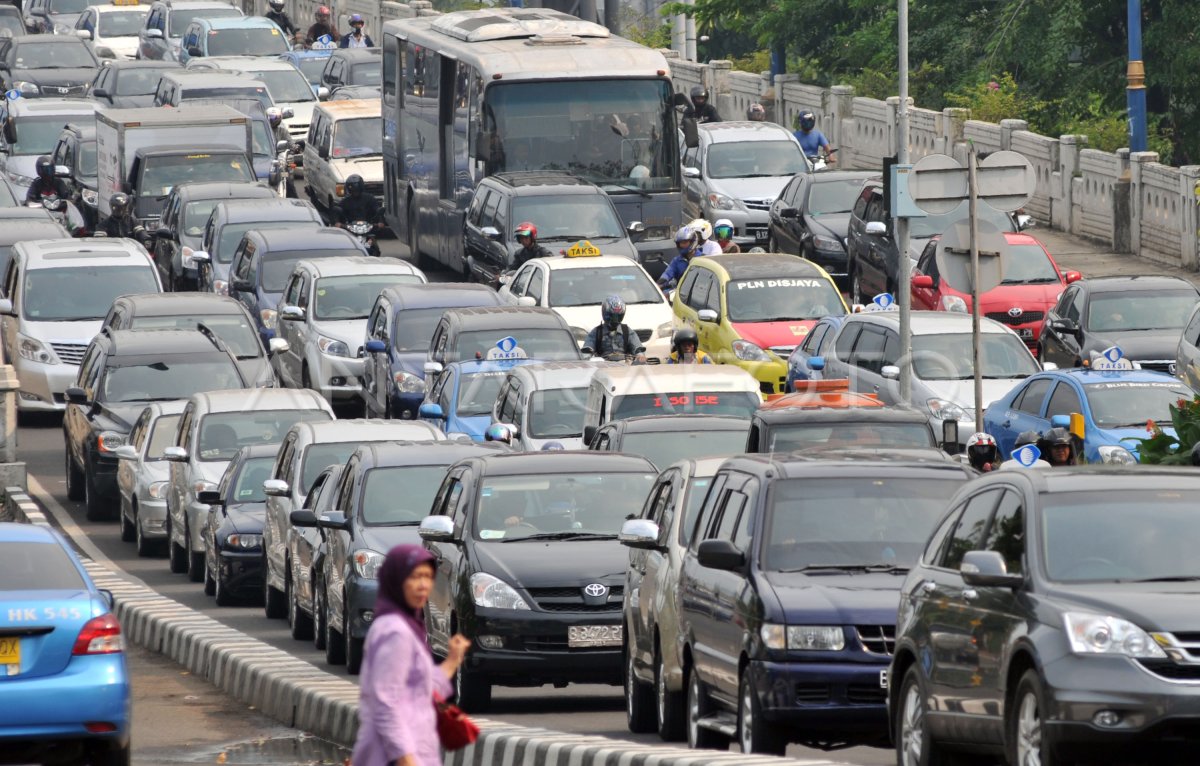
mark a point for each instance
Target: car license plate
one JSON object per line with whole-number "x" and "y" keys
{"x": 1027, "y": 333}
{"x": 759, "y": 234}
{"x": 584, "y": 636}
{"x": 10, "y": 655}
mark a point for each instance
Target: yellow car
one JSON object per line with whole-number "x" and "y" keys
{"x": 753, "y": 309}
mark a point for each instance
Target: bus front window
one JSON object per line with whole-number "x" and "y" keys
{"x": 619, "y": 134}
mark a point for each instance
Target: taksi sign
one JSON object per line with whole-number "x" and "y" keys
{"x": 506, "y": 348}
{"x": 1111, "y": 359}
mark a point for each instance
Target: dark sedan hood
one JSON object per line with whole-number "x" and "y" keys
{"x": 1144, "y": 344}
{"x": 832, "y": 225}
{"x": 383, "y": 539}
{"x": 56, "y": 78}
{"x": 122, "y": 413}
{"x": 1166, "y": 606}
{"x": 554, "y": 563}
{"x": 838, "y": 599}
{"x": 245, "y": 518}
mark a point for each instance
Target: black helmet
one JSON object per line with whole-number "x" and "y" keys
{"x": 354, "y": 185}
{"x": 613, "y": 310}
{"x": 684, "y": 335}
{"x": 808, "y": 120}
{"x": 1057, "y": 437}
{"x": 119, "y": 203}
{"x": 45, "y": 167}
{"x": 699, "y": 91}
{"x": 1026, "y": 437}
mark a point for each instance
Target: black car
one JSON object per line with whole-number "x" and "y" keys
{"x": 788, "y": 596}
{"x": 664, "y": 439}
{"x": 47, "y": 65}
{"x": 230, "y": 220}
{"x": 786, "y": 429}
{"x": 810, "y": 216}
{"x": 1143, "y": 315}
{"x": 353, "y": 66}
{"x": 541, "y": 333}
{"x": 1052, "y": 618}
{"x": 873, "y": 262}
{"x": 74, "y": 159}
{"x": 530, "y": 568}
{"x": 233, "y": 531}
{"x": 129, "y": 84}
{"x": 50, "y": 17}
{"x": 120, "y": 372}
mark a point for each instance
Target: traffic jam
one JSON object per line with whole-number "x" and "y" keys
{"x": 634, "y": 375}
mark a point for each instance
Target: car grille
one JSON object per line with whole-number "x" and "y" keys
{"x": 783, "y": 351}
{"x": 64, "y": 90}
{"x": 298, "y": 131}
{"x": 1173, "y": 670}
{"x": 812, "y": 693}
{"x": 644, "y": 335}
{"x": 877, "y": 639}
{"x": 570, "y": 599}
{"x": 866, "y": 694}
{"x": 758, "y": 204}
{"x": 1158, "y": 365}
{"x": 1003, "y": 318}
{"x": 69, "y": 353}
{"x": 556, "y": 644}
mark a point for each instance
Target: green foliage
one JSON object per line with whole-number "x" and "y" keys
{"x": 648, "y": 31}
{"x": 999, "y": 99}
{"x": 1164, "y": 449}
{"x": 755, "y": 61}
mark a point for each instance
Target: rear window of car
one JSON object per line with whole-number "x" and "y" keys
{"x": 37, "y": 566}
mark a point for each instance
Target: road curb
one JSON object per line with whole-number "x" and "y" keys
{"x": 302, "y": 696}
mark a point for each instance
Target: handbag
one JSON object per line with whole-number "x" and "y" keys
{"x": 455, "y": 729}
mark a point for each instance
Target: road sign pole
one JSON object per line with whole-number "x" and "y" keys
{"x": 904, "y": 278}
{"x": 973, "y": 213}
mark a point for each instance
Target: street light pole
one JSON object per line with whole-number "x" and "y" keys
{"x": 1135, "y": 76}
{"x": 904, "y": 279}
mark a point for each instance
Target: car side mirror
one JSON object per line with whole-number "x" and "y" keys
{"x": 278, "y": 346}
{"x": 1025, "y": 221}
{"x": 288, "y": 113}
{"x": 1060, "y": 421}
{"x": 1049, "y": 366}
{"x": 950, "y": 439}
{"x": 164, "y": 232}
{"x": 175, "y": 454}
{"x": 877, "y": 229}
{"x": 199, "y": 257}
{"x": 275, "y": 488}
{"x": 75, "y": 395}
{"x": 789, "y": 212}
{"x": 83, "y": 34}
{"x": 589, "y": 433}
{"x": 6, "y": 307}
{"x": 322, "y": 93}
{"x": 890, "y": 371}
{"x": 99, "y": 93}
{"x": 720, "y": 554}
{"x": 154, "y": 34}
{"x": 10, "y": 131}
{"x": 691, "y": 134}
{"x": 375, "y": 347}
{"x": 641, "y": 534}
{"x": 707, "y": 315}
{"x": 436, "y": 529}
{"x": 986, "y": 569}
{"x": 282, "y": 146}
{"x": 527, "y": 300}
{"x": 323, "y": 152}
{"x": 127, "y": 452}
{"x": 291, "y": 313}
{"x": 431, "y": 410}
{"x": 491, "y": 232}
{"x": 334, "y": 520}
{"x": 432, "y": 368}
{"x": 636, "y": 228}
{"x": 62, "y": 171}
{"x": 193, "y": 50}
{"x": 209, "y": 497}
{"x": 241, "y": 284}
{"x": 1068, "y": 326}
{"x": 923, "y": 280}
{"x": 1072, "y": 276}
{"x": 690, "y": 172}
{"x": 303, "y": 518}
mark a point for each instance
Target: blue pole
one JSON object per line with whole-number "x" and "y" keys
{"x": 778, "y": 60}
{"x": 1135, "y": 75}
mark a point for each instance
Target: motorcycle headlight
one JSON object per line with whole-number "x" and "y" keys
{"x": 827, "y": 244}
{"x": 954, "y": 303}
{"x": 494, "y": 593}
{"x": 158, "y": 490}
{"x": 200, "y": 485}
{"x": 268, "y": 317}
{"x": 35, "y": 351}
{"x": 243, "y": 542}
{"x": 749, "y": 352}
{"x": 89, "y": 197}
{"x": 407, "y": 383}
{"x": 27, "y": 88}
{"x": 110, "y": 441}
{"x": 220, "y": 287}
{"x": 721, "y": 202}
{"x": 1114, "y": 455}
{"x": 367, "y": 564}
{"x": 1102, "y": 634}
{"x": 332, "y": 347}
{"x": 946, "y": 410}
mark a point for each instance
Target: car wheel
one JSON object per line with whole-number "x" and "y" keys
{"x": 669, "y": 705}
{"x": 914, "y": 744}
{"x": 1025, "y": 731}
{"x": 145, "y": 546}
{"x": 387, "y": 408}
{"x": 306, "y": 379}
{"x": 697, "y": 709}
{"x": 195, "y": 569}
{"x": 210, "y": 581}
{"x": 274, "y": 606}
{"x": 176, "y": 555}
{"x": 74, "y": 479}
{"x": 110, "y": 754}
{"x": 755, "y": 733}
{"x": 300, "y": 623}
{"x": 335, "y": 645}
{"x": 95, "y": 506}
{"x": 772, "y": 245}
{"x": 128, "y": 533}
{"x": 319, "y": 622}
{"x": 221, "y": 590}
{"x": 472, "y": 690}
{"x": 639, "y": 699}
{"x": 354, "y": 646}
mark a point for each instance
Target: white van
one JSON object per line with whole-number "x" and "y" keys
{"x": 668, "y": 389}
{"x": 545, "y": 402}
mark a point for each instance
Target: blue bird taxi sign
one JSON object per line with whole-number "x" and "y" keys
{"x": 1111, "y": 359}
{"x": 1027, "y": 456}
{"x": 506, "y": 348}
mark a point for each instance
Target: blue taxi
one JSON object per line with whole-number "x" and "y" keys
{"x": 64, "y": 685}
{"x": 461, "y": 398}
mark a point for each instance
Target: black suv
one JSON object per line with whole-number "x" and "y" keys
{"x": 564, "y": 208}
{"x": 788, "y": 595}
{"x": 1052, "y": 618}
{"x": 810, "y": 216}
{"x": 664, "y": 439}
{"x": 785, "y": 429}
{"x": 54, "y": 66}
{"x": 120, "y": 372}
{"x": 353, "y": 66}
{"x": 74, "y": 158}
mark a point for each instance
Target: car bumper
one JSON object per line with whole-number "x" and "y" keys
{"x": 104, "y": 478}
{"x": 43, "y": 385}
{"x": 834, "y": 264}
{"x": 92, "y": 688}
{"x": 360, "y": 605}
{"x": 240, "y": 571}
{"x": 534, "y": 648}
{"x": 152, "y": 518}
{"x": 406, "y": 403}
{"x": 771, "y": 375}
{"x": 845, "y": 700}
{"x": 337, "y": 377}
{"x": 197, "y": 516}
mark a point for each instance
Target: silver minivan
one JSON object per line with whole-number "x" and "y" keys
{"x": 545, "y": 403}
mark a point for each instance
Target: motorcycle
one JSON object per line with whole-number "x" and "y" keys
{"x": 821, "y": 161}
{"x": 62, "y": 211}
{"x": 364, "y": 230}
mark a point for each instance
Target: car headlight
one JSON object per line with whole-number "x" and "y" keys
{"x": 721, "y": 202}
{"x": 1114, "y": 455}
{"x": 220, "y": 287}
{"x": 20, "y": 180}
{"x": 27, "y": 88}
{"x": 807, "y": 638}
{"x": 35, "y": 351}
{"x": 749, "y": 352}
{"x": 158, "y": 490}
{"x": 665, "y": 330}
{"x": 954, "y": 303}
{"x": 945, "y": 410}
{"x": 494, "y": 593}
{"x": 827, "y": 243}
{"x": 200, "y": 485}
{"x": 332, "y": 347}
{"x": 89, "y": 196}
{"x": 269, "y": 317}
{"x": 407, "y": 383}
{"x": 580, "y": 335}
{"x": 367, "y": 564}
{"x": 243, "y": 542}
{"x": 1102, "y": 634}
{"x": 111, "y": 441}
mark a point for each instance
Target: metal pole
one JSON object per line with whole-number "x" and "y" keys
{"x": 973, "y": 207}
{"x": 904, "y": 280}
{"x": 1135, "y": 76}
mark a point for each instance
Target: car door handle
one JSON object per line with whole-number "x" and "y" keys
{"x": 970, "y": 594}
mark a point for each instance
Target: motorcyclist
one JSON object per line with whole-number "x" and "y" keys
{"x": 357, "y": 205}
{"x": 275, "y": 117}
{"x": 700, "y": 110}
{"x": 1023, "y": 439}
{"x": 121, "y": 221}
{"x": 723, "y": 230}
{"x": 687, "y": 242}
{"x": 613, "y": 336}
{"x": 705, "y": 230}
{"x": 357, "y": 38}
{"x": 982, "y": 452}
{"x": 526, "y": 234}
{"x": 322, "y": 26}
{"x": 812, "y": 141}
{"x": 553, "y": 447}
{"x": 1058, "y": 447}
{"x": 756, "y": 112}
{"x": 47, "y": 184}
{"x": 280, "y": 17}
{"x": 685, "y": 348}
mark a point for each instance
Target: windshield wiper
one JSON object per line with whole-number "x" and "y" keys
{"x": 885, "y": 568}
{"x": 1171, "y": 578}
{"x": 634, "y": 189}
{"x": 562, "y": 536}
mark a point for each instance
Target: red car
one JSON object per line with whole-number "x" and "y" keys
{"x": 1030, "y": 288}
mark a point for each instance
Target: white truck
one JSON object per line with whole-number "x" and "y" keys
{"x": 145, "y": 151}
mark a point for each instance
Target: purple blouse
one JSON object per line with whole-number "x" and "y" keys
{"x": 396, "y": 714}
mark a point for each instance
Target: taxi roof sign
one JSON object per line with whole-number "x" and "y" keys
{"x": 125, "y": 2}
{"x": 1111, "y": 359}
{"x": 583, "y": 248}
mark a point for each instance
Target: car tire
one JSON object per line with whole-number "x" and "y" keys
{"x": 300, "y": 623}
{"x": 472, "y": 690}
{"x": 176, "y": 555}
{"x": 96, "y": 509}
{"x": 915, "y": 746}
{"x": 128, "y": 533}
{"x": 670, "y": 706}
{"x": 145, "y": 546}
{"x": 319, "y": 621}
{"x": 1026, "y": 739}
{"x": 195, "y": 561}
{"x": 855, "y": 288}
{"x": 221, "y": 590}
{"x": 210, "y": 581}
{"x": 305, "y": 378}
{"x": 772, "y": 245}
{"x": 274, "y": 606}
{"x": 75, "y": 489}
{"x": 755, "y": 733}
{"x": 109, "y": 754}
{"x": 335, "y": 645}
{"x": 354, "y": 646}
{"x": 639, "y": 699}
{"x": 698, "y": 707}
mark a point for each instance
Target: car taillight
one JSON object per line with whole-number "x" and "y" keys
{"x": 101, "y": 635}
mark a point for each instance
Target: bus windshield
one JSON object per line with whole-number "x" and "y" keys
{"x": 619, "y": 134}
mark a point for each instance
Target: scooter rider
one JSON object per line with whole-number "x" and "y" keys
{"x": 685, "y": 348}
{"x": 756, "y": 113}
{"x": 275, "y": 117}
{"x": 982, "y": 452}
{"x": 705, "y": 230}
{"x": 322, "y": 26}
{"x": 1058, "y": 447}
{"x": 613, "y": 336}
{"x": 47, "y": 184}
{"x": 812, "y": 141}
{"x": 526, "y": 234}
{"x": 357, "y": 205}
{"x": 687, "y": 241}
{"x": 723, "y": 230}
{"x": 280, "y": 17}
{"x": 122, "y": 223}
{"x": 700, "y": 110}
{"x": 1023, "y": 439}
{"x": 357, "y": 38}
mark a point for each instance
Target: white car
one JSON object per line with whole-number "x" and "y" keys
{"x": 288, "y": 86}
{"x": 544, "y": 403}
{"x": 112, "y": 30}
{"x": 575, "y": 286}
{"x": 143, "y": 476}
{"x": 345, "y": 138}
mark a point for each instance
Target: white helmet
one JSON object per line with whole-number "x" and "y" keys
{"x": 703, "y": 227}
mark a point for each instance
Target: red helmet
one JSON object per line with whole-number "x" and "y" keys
{"x": 526, "y": 229}
{"x": 323, "y": 11}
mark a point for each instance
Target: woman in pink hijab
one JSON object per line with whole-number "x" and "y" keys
{"x": 397, "y": 722}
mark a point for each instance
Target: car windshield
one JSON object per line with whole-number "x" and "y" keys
{"x": 400, "y": 495}
{"x": 413, "y": 328}
{"x": 286, "y": 85}
{"x": 160, "y": 174}
{"x": 162, "y": 435}
{"x": 933, "y": 225}
{"x": 665, "y": 447}
{"x": 740, "y": 404}
{"x": 477, "y": 393}
{"x": 782, "y": 300}
{"x": 231, "y": 235}
{"x": 13, "y": 24}
{"x": 195, "y": 216}
{"x": 164, "y": 381}
{"x": 181, "y": 17}
{"x": 829, "y": 197}
{"x": 260, "y": 134}
{"x": 947, "y": 356}
{"x": 318, "y": 457}
{"x": 37, "y": 566}
{"x": 353, "y": 297}
{"x": 250, "y": 480}
{"x": 55, "y": 7}
{"x": 569, "y": 218}
{"x": 77, "y": 293}
{"x": 122, "y": 23}
{"x": 139, "y": 81}
{"x": 234, "y": 330}
{"x": 312, "y": 67}
{"x": 236, "y": 93}
{"x": 879, "y": 521}
{"x": 529, "y": 506}
{"x": 366, "y": 74}
{"x": 59, "y": 56}
{"x": 785, "y": 437}
{"x": 360, "y": 137}
{"x": 754, "y": 159}
{"x": 7, "y": 199}
{"x": 1117, "y": 312}
{"x": 556, "y": 413}
{"x": 589, "y": 287}
{"x": 256, "y": 41}
{"x": 277, "y": 267}
{"x": 38, "y": 135}
{"x": 1029, "y": 265}
{"x": 546, "y": 343}
{"x": 1122, "y": 404}
{"x": 86, "y": 161}
{"x": 222, "y": 434}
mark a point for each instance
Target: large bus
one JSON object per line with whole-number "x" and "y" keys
{"x": 473, "y": 93}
